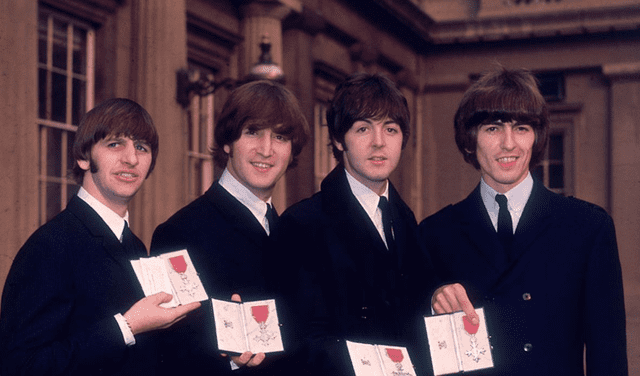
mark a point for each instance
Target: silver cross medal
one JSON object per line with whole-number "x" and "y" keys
{"x": 475, "y": 351}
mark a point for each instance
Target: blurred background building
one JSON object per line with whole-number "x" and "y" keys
{"x": 180, "y": 58}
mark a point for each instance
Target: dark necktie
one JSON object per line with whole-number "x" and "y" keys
{"x": 505, "y": 225}
{"x": 272, "y": 218}
{"x": 387, "y": 223}
{"x": 127, "y": 241}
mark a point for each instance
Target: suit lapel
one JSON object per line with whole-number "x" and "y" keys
{"x": 112, "y": 247}
{"x": 533, "y": 222}
{"x": 349, "y": 218}
{"x": 236, "y": 214}
{"x": 534, "y": 218}
{"x": 99, "y": 230}
{"x": 476, "y": 226}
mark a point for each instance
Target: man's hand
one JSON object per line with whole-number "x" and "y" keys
{"x": 452, "y": 298}
{"x": 247, "y": 358}
{"x": 146, "y": 314}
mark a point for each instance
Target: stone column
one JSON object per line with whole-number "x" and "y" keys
{"x": 625, "y": 185}
{"x": 19, "y": 141}
{"x": 298, "y": 65}
{"x": 158, "y": 46}
{"x": 260, "y": 18}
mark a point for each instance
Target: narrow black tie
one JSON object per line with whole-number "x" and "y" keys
{"x": 127, "y": 241}
{"x": 505, "y": 225}
{"x": 387, "y": 223}
{"x": 272, "y": 218}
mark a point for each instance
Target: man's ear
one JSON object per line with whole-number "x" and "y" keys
{"x": 227, "y": 149}
{"x": 338, "y": 145}
{"x": 83, "y": 164}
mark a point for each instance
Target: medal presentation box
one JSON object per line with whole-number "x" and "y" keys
{"x": 172, "y": 273}
{"x": 248, "y": 326}
{"x": 457, "y": 345}
{"x": 379, "y": 360}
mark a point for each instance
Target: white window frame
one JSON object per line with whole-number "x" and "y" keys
{"x": 200, "y": 159}
{"x": 46, "y": 125}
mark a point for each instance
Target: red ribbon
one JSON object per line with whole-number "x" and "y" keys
{"x": 468, "y": 326}
{"x": 179, "y": 264}
{"x": 395, "y": 355}
{"x": 260, "y": 313}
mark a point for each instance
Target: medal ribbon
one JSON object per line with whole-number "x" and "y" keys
{"x": 179, "y": 264}
{"x": 395, "y": 355}
{"x": 469, "y": 327}
{"x": 260, "y": 313}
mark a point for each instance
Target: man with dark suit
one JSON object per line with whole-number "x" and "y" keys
{"x": 72, "y": 304}
{"x": 228, "y": 231}
{"x": 352, "y": 246}
{"x": 544, "y": 267}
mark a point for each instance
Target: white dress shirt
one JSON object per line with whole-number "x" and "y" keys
{"x": 256, "y": 206}
{"x": 517, "y": 198}
{"x": 369, "y": 200}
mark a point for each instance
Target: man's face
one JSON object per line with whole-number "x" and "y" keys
{"x": 258, "y": 159}
{"x": 371, "y": 151}
{"x": 121, "y": 165}
{"x": 504, "y": 153}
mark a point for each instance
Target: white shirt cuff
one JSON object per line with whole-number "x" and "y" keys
{"x": 129, "y": 339}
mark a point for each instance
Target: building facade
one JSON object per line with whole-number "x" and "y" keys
{"x": 179, "y": 59}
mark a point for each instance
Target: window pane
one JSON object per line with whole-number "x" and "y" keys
{"x": 53, "y": 151}
{"x": 79, "y": 51}
{"x": 42, "y": 94}
{"x": 78, "y": 100}
{"x": 42, "y": 39}
{"x": 556, "y": 147}
{"x": 59, "y": 44}
{"x": 58, "y": 97}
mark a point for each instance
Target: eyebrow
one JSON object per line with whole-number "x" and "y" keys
{"x": 503, "y": 123}
{"x": 370, "y": 121}
{"x": 122, "y": 137}
{"x": 112, "y": 138}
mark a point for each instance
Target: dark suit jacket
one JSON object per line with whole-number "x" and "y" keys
{"x": 64, "y": 287}
{"x": 563, "y": 289}
{"x": 233, "y": 254}
{"x": 350, "y": 286}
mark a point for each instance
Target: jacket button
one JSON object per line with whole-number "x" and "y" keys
{"x": 526, "y": 296}
{"x": 528, "y": 347}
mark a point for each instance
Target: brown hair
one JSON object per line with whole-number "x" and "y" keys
{"x": 261, "y": 104}
{"x": 365, "y": 96}
{"x": 113, "y": 117}
{"x": 501, "y": 95}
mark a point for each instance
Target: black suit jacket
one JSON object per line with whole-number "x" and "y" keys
{"x": 349, "y": 286}
{"x": 563, "y": 289}
{"x": 64, "y": 287}
{"x": 233, "y": 254}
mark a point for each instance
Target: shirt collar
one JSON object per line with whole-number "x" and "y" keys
{"x": 517, "y": 196}
{"x": 257, "y": 207}
{"x": 367, "y": 198}
{"x": 111, "y": 218}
